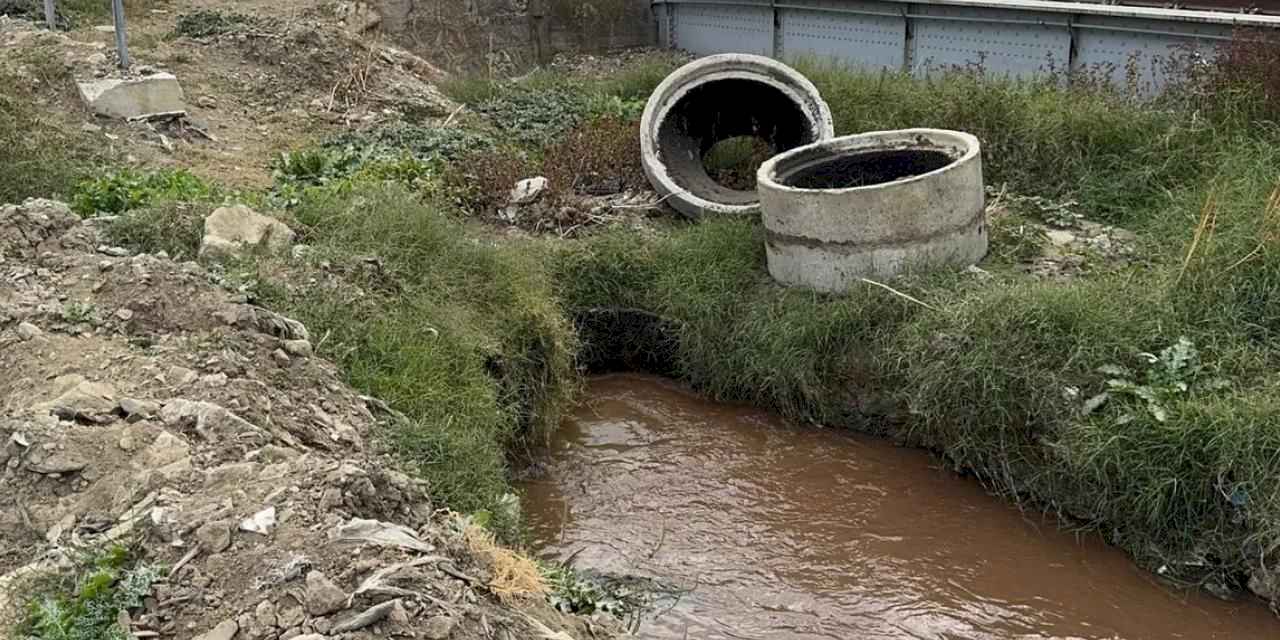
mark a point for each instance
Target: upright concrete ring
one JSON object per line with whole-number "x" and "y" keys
{"x": 717, "y": 98}
{"x": 873, "y": 205}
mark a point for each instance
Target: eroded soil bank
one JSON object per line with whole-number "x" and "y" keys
{"x": 779, "y": 531}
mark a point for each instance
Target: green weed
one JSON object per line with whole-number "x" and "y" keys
{"x": 87, "y": 606}
{"x": 127, "y": 189}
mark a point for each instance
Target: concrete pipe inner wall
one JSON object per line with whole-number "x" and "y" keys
{"x": 715, "y": 99}
{"x": 873, "y": 205}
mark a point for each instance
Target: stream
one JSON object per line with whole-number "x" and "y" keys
{"x": 771, "y": 530}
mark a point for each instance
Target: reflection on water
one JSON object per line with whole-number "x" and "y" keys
{"x": 785, "y": 532}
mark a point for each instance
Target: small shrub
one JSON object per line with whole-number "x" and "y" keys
{"x": 127, "y": 189}
{"x": 79, "y": 313}
{"x": 482, "y": 183}
{"x": 600, "y": 156}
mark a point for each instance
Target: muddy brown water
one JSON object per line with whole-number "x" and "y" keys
{"x": 785, "y": 532}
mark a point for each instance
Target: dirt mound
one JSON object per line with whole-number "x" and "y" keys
{"x": 145, "y": 403}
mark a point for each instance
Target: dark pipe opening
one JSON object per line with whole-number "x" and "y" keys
{"x": 619, "y": 339}
{"x": 866, "y": 168}
{"x": 721, "y": 110}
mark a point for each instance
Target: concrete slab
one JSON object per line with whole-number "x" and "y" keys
{"x": 133, "y": 98}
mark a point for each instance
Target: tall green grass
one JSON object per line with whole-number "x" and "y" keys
{"x": 463, "y": 337}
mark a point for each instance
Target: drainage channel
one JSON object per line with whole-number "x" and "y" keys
{"x": 768, "y": 530}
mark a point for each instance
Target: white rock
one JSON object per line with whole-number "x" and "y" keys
{"x": 134, "y": 97}
{"x": 300, "y": 348}
{"x": 28, "y": 331}
{"x": 262, "y": 522}
{"x": 140, "y": 408}
{"x": 528, "y": 190}
{"x": 225, "y": 631}
{"x": 229, "y": 231}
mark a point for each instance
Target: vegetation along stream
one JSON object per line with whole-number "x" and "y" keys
{"x": 769, "y": 530}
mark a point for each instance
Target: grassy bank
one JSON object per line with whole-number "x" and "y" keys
{"x": 1135, "y": 399}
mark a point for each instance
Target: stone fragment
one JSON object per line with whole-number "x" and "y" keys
{"x": 140, "y": 409}
{"x": 232, "y": 231}
{"x": 226, "y": 630}
{"x": 372, "y": 615}
{"x": 214, "y": 537}
{"x": 323, "y": 596}
{"x": 28, "y": 331}
{"x": 299, "y": 348}
{"x": 438, "y": 628}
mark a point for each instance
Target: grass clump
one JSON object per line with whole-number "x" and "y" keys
{"x": 173, "y": 227}
{"x": 205, "y": 23}
{"x": 86, "y": 604}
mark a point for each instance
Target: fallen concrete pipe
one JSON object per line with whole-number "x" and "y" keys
{"x": 873, "y": 205}
{"x": 714, "y": 99}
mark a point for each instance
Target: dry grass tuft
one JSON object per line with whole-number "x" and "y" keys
{"x": 514, "y": 576}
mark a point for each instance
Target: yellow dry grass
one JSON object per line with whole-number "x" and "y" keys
{"x": 514, "y": 575}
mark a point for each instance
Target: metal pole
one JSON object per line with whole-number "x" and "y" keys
{"x": 50, "y": 16}
{"x": 117, "y": 11}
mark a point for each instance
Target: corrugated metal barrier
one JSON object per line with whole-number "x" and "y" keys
{"x": 1131, "y": 46}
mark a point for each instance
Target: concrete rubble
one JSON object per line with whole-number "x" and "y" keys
{"x": 232, "y": 231}
{"x": 138, "y": 98}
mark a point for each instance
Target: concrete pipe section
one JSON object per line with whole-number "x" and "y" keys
{"x": 720, "y": 98}
{"x": 873, "y": 206}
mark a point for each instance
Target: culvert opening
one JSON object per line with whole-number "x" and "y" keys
{"x": 866, "y": 168}
{"x": 721, "y": 111}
